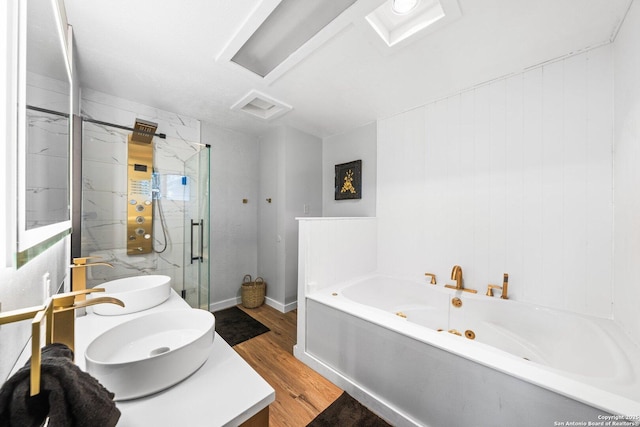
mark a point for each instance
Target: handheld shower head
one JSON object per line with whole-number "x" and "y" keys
{"x": 144, "y": 131}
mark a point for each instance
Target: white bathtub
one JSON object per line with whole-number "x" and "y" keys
{"x": 527, "y": 365}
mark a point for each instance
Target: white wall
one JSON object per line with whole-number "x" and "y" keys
{"x": 303, "y": 178}
{"x": 270, "y": 150}
{"x": 357, "y": 144}
{"x": 291, "y": 176}
{"x": 627, "y": 173}
{"x": 234, "y": 225}
{"x": 513, "y": 176}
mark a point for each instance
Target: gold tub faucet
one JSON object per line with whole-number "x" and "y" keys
{"x": 433, "y": 277}
{"x": 456, "y": 274}
{"x": 504, "y": 288}
{"x": 59, "y": 313}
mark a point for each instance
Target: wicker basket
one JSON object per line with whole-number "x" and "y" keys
{"x": 253, "y": 292}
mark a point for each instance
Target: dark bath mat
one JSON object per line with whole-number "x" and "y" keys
{"x": 236, "y": 326}
{"x": 345, "y": 411}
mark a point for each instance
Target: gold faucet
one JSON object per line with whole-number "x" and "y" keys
{"x": 504, "y": 288}
{"x": 59, "y": 312}
{"x": 456, "y": 274}
{"x": 79, "y": 274}
{"x": 433, "y": 277}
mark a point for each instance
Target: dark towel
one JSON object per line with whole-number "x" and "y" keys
{"x": 68, "y": 395}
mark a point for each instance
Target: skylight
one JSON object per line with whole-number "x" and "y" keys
{"x": 291, "y": 24}
{"x": 395, "y": 29}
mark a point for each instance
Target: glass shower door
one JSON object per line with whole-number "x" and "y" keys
{"x": 196, "y": 252}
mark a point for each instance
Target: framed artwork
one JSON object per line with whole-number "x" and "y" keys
{"x": 348, "y": 184}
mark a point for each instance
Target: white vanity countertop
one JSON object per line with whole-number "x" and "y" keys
{"x": 225, "y": 391}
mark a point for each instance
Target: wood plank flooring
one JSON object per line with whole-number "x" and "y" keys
{"x": 301, "y": 393}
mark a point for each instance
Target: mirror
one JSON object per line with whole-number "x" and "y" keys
{"x": 44, "y": 125}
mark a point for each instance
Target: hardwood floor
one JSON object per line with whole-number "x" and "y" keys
{"x": 301, "y": 393}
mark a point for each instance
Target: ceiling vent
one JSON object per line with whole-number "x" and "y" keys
{"x": 262, "y": 106}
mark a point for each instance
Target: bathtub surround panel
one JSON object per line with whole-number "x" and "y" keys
{"x": 627, "y": 174}
{"x": 452, "y": 391}
{"x": 104, "y": 214}
{"x": 348, "y": 245}
{"x": 403, "y": 203}
{"x": 331, "y": 250}
{"x": 514, "y": 176}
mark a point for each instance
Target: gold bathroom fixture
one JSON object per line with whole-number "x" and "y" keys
{"x": 454, "y": 332}
{"x": 59, "y": 312}
{"x": 79, "y": 273}
{"x": 433, "y": 277}
{"x": 139, "y": 188}
{"x": 490, "y": 289}
{"x": 456, "y": 274}
{"x": 504, "y": 288}
{"x": 143, "y": 131}
{"x": 456, "y": 302}
{"x": 401, "y": 314}
{"x": 470, "y": 334}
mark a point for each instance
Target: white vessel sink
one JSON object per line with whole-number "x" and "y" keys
{"x": 137, "y": 293}
{"x": 152, "y": 352}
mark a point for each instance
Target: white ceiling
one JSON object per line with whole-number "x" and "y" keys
{"x": 163, "y": 54}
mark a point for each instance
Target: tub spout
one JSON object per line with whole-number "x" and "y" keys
{"x": 456, "y": 274}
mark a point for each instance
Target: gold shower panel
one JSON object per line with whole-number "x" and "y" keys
{"x": 139, "y": 194}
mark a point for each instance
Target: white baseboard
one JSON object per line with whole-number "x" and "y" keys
{"x": 283, "y": 308}
{"x": 221, "y": 305}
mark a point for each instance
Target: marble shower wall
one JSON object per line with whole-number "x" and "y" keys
{"x": 104, "y": 180}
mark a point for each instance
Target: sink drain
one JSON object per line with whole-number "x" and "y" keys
{"x": 159, "y": 350}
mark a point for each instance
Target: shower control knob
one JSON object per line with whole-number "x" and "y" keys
{"x": 139, "y": 208}
{"x": 139, "y": 219}
{"x": 140, "y": 231}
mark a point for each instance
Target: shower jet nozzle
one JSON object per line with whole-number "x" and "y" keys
{"x": 143, "y": 131}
